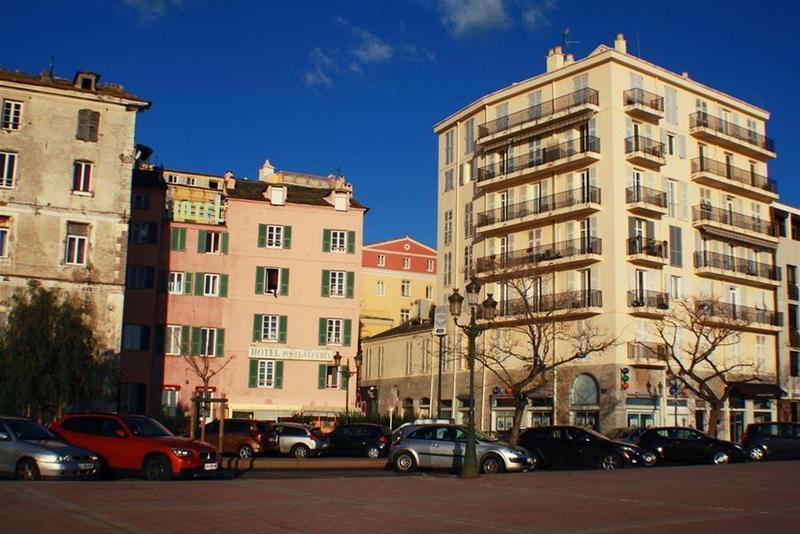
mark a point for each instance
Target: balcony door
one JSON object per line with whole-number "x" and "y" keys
{"x": 585, "y": 185}
{"x": 636, "y": 133}
{"x": 733, "y": 300}
{"x": 730, "y": 210}
{"x": 637, "y": 185}
{"x": 586, "y": 234}
{"x": 506, "y": 199}
{"x": 641, "y": 286}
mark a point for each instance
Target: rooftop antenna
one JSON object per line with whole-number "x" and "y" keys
{"x": 638, "y": 47}
{"x": 565, "y": 41}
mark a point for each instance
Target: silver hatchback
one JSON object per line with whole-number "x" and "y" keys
{"x": 441, "y": 446}
{"x": 297, "y": 440}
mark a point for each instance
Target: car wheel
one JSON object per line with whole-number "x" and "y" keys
{"x": 610, "y": 462}
{"x": 649, "y": 459}
{"x": 300, "y": 451}
{"x": 536, "y": 462}
{"x": 720, "y": 458}
{"x": 245, "y": 452}
{"x": 756, "y": 454}
{"x": 157, "y": 468}
{"x": 27, "y": 470}
{"x": 404, "y": 462}
{"x": 373, "y": 453}
{"x": 492, "y": 464}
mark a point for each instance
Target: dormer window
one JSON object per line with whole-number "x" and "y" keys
{"x": 277, "y": 196}
{"x": 340, "y": 202}
{"x": 86, "y": 80}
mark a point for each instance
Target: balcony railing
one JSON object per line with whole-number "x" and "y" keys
{"x": 569, "y": 300}
{"x": 726, "y": 262}
{"x": 645, "y": 98}
{"x": 641, "y": 349}
{"x": 536, "y": 255}
{"x": 539, "y": 157}
{"x": 643, "y": 298}
{"x": 539, "y": 205}
{"x": 562, "y": 103}
{"x": 647, "y": 246}
{"x": 792, "y": 291}
{"x": 719, "y": 168}
{"x": 638, "y": 143}
{"x": 639, "y": 193}
{"x": 736, "y": 312}
{"x": 704, "y": 120}
{"x": 706, "y": 212}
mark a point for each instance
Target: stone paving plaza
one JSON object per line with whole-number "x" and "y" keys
{"x": 736, "y": 498}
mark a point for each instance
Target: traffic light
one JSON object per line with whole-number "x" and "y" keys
{"x": 625, "y": 377}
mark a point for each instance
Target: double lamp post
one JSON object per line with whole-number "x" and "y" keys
{"x": 346, "y": 374}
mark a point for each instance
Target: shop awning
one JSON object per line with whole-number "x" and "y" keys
{"x": 757, "y": 390}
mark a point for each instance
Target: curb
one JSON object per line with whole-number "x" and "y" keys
{"x": 239, "y": 464}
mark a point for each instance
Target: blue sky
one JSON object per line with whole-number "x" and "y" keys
{"x": 357, "y": 85}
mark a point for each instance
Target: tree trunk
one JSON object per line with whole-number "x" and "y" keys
{"x": 713, "y": 419}
{"x": 521, "y": 402}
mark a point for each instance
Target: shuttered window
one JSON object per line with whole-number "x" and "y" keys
{"x": 88, "y": 125}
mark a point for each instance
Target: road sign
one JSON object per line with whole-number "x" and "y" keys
{"x": 440, "y": 321}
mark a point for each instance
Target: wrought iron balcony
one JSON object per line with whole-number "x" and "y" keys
{"x": 638, "y": 143}
{"x": 536, "y": 256}
{"x": 577, "y": 99}
{"x": 548, "y": 303}
{"x": 647, "y": 350}
{"x": 539, "y": 205}
{"x": 704, "y": 121}
{"x": 736, "y": 312}
{"x": 647, "y": 246}
{"x": 643, "y": 104}
{"x": 713, "y": 168}
{"x": 646, "y": 195}
{"x": 708, "y": 213}
{"x": 643, "y": 298}
{"x": 540, "y": 156}
{"x": 733, "y": 264}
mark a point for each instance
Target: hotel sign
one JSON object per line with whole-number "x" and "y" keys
{"x": 284, "y": 353}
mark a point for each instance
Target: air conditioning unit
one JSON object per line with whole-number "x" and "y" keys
{"x": 421, "y": 309}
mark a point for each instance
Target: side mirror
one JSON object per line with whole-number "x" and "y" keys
{"x": 120, "y": 433}
{"x": 4, "y": 436}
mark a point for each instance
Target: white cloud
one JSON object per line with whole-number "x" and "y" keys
{"x": 535, "y": 14}
{"x": 369, "y": 48}
{"x": 150, "y": 10}
{"x": 464, "y": 17}
{"x": 321, "y": 67}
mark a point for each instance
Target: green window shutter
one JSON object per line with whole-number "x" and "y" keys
{"x": 284, "y": 281}
{"x": 223, "y": 285}
{"x": 252, "y": 380}
{"x": 195, "y": 340}
{"x": 345, "y": 376}
{"x": 326, "y": 279}
{"x": 351, "y": 280}
{"x": 181, "y": 239}
{"x": 224, "y": 242}
{"x": 201, "y": 241}
{"x": 262, "y": 235}
{"x": 220, "y": 348}
{"x": 347, "y": 326}
{"x": 277, "y": 381}
{"x": 259, "y": 280}
{"x": 323, "y": 331}
{"x": 322, "y": 374}
{"x": 174, "y": 239}
{"x": 326, "y": 240}
{"x": 287, "y": 237}
{"x": 187, "y": 283}
{"x": 351, "y": 242}
{"x": 282, "y": 320}
{"x": 199, "y": 282}
{"x": 258, "y": 321}
{"x": 185, "y": 340}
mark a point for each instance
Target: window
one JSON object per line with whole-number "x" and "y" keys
{"x": 426, "y": 356}
{"x": 409, "y": 357}
{"x": 331, "y": 376}
{"x": 761, "y": 354}
{"x": 670, "y": 144}
{"x": 269, "y": 327}
{"x": 82, "y": 176}
{"x": 274, "y": 236}
{"x": 381, "y": 288}
{"x": 467, "y": 262}
{"x": 448, "y": 265}
{"x": 210, "y": 242}
{"x": 469, "y": 229}
{"x": 135, "y": 337}
{"x": 405, "y": 288}
{"x": 210, "y": 285}
{"x": 340, "y": 202}
{"x": 143, "y": 233}
{"x": 405, "y": 315}
{"x": 140, "y": 277}
{"x": 469, "y": 136}
{"x": 272, "y": 280}
{"x": 336, "y": 283}
{"x": 380, "y": 361}
{"x": 266, "y": 374}
{"x": 334, "y": 332}
{"x": 338, "y": 241}
{"x": 77, "y": 243}
{"x": 794, "y": 363}
{"x": 448, "y": 227}
{"x": 170, "y": 398}
{"x": 448, "y": 180}
{"x": 381, "y": 260}
{"x": 448, "y": 147}
{"x": 141, "y": 201}
{"x": 12, "y": 114}
{"x": 177, "y": 239}
{"x": 88, "y": 125}
{"x": 430, "y": 266}
{"x": 8, "y": 166}
{"x": 276, "y": 196}
{"x": 175, "y": 285}
{"x": 406, "y": 263}
{"x": 4, "y": 237}
{"x": 428, "y": 292}
{"x": 672, "y": 198}
{"x": 173, "y": 339}
{"x": 676, "y": 287}
{"x": 675, "y": 246}
{"x": 208, "y": 342}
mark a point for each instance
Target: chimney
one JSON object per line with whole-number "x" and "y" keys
{"x": 620, "y": 44}
{"x": 685, "y": 74}
{"x": 266, "y": 173}
{"x": 569, "y": 59}
{"x": 555, "y": 59}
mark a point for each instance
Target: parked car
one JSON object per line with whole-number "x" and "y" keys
{"x": 442, "y": 446}
{"x": 767, "y": 441}
{"x": 245, "y": 438}
{"x": 296, "y": 439}
{"x": 136, "y": 444}
{"x": 688, "y": 446}
{"x": 29, "y": 451}
{"x": 573, "y": 446}
{"x": 360, "y": 439}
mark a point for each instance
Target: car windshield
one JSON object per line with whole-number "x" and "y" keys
{"x": 485, "y": 437}
{"x": 29, "y": 430}
{"x": 146, "y": 427}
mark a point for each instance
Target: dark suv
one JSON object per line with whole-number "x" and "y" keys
{"x": 360, "y": 439}
{"x": 688, "y": 446}
{"x": 245, "y": 438}
{"x": 764, "y": 441}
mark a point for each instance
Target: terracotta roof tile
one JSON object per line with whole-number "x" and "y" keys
{"x": 62, "y": 83}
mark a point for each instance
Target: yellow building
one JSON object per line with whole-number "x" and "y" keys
{"x": 398, "y": 278}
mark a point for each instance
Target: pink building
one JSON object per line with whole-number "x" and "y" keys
{"x": 261, "y": 277}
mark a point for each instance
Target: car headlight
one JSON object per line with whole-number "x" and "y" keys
{"x": 182, "y": 453}
{"x": 94, "y": 458}
{"x": 737, "y": 446}
{"x": 64, "y": 458}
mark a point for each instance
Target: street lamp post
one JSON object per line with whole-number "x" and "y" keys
{"x": 469, "y": 468}
{"x": 337, "y": 359}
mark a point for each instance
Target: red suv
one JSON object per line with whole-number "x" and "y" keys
{"x": 137, "y": 444}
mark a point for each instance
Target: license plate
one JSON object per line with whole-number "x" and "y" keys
{"x": 85, "y": 466}
{"x": 211, "y": 467}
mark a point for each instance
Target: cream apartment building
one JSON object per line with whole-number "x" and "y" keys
{"x": 623, "y": 186}
{"x": 66, "y": 156}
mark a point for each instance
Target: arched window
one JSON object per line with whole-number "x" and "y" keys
{"x": 585, "y": 391}
{"x": 408, "y": 408}
{"x": 424, "y": 407}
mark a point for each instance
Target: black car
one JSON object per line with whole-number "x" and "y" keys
{"x": 688, "y": 446}
{"x": 629, "y": 434}
{"x": 360, "y": 439}
{"x": 764, "y": 441}
{"x": 572, "y": 446}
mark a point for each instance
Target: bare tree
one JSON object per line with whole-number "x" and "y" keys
{"x": 204, "y": 367}
{"x": 694, "y": 331}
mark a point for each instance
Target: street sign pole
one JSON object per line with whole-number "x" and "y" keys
{"x": 440, "y": 330}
